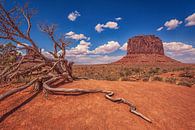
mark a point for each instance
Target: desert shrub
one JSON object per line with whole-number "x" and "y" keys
{"x": 170, "y": 80}
{"x": 188, "y": 74}
{"x": 145, "y": 79}
{"x": 124, "y": 79}
{"x": 185, "y": 83}
{"x": 110, "y": 78}
{"x": 129, "y": 71}
{"x": 146, "y": 76}
{"x": 121, "y": 73}
{"x": 125, "y": 72}
{"x": 182, "y": 69}
{"x": 164, "y": 71}
{"x": 193, "y": 80}
{"x": 153, "y": 71}
{"x": 136, "y": 70}
{"x": 157, "y": 78}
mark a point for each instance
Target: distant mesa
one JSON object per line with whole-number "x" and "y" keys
{"x": 145, "y": 44}
{"x": 146, "y": 49}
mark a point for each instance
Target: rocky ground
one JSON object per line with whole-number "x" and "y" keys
{"x": 169, "y": 106}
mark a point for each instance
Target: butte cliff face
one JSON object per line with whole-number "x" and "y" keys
{"x": 145, "y": 44}
{"x": 146, "y": 49}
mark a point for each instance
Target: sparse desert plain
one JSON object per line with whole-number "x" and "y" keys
{"x": 169, "y": 106}
{"x": 54, "y": 85}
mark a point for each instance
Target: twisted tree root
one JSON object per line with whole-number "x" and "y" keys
{"x": 108, "y": 95}
{"x": 133, "y": 108}
{"x": 46, "y": 88}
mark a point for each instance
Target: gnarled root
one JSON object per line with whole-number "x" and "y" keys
{"x": 108, "y": 95}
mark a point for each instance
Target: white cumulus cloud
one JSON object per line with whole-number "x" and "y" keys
{"x": 124, "y": 47}
{"x": 99, "y": 27}
{"x": 81, "y": 49}
{"x": 73, "y": 15}
{"x": 46, "y": 54}
{"x": 118, "y": 18}
{"x": 160, "y": 28}
{"x": 111, "y": 46}
{"x": 73, "y": 35}
{"x": 110, "y": 24}
{"x": 180, "y": 51}
{"x": 172, "y": 24}
{"x": 93, "y": 59}
{"x": 190, "y": 20}
{"x": 81, "y": 54}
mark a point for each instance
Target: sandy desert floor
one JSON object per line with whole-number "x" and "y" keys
{"x": 170, "y": 107}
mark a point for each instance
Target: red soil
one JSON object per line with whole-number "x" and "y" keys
{"x": 170, "y": 107}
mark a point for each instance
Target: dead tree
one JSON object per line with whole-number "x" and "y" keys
{"x": 45, "y": 71}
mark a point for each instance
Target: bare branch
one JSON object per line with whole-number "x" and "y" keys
{"x": 13, "y": 91}
{"x": 50, "y": 30}
{"x": 9, "y": 28}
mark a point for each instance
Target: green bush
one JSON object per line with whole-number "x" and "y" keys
{"x": 124, "y": 79}
{"x": 129, "y": 71}
{"x": 171, "y": 80}
{"x": 145, "y": 79}
{"x": 164, "y": 71}
{"x": 157, "y": 78}
{"x": 125, "y": 72}
{"x": 136, "y": 70}
{"x": 153, "y": 71}
{"x": 110, "y": 78}
{"x": 181, "y": 69}
{"x": 185, "y": 83}
{"x": 188, "y": 74}
{"x": 145, "y": 76}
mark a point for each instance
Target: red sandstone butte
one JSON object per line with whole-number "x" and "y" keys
{"x": 146, "y": 49}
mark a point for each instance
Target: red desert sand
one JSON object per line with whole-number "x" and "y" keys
{"x": 170, "y": 107}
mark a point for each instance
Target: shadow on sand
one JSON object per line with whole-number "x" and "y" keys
{"x": 7, "y": 114}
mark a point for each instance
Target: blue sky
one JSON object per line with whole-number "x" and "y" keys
{"x": 137, "y": 17}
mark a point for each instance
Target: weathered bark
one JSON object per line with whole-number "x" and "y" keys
{"x": 15, "y": 90}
